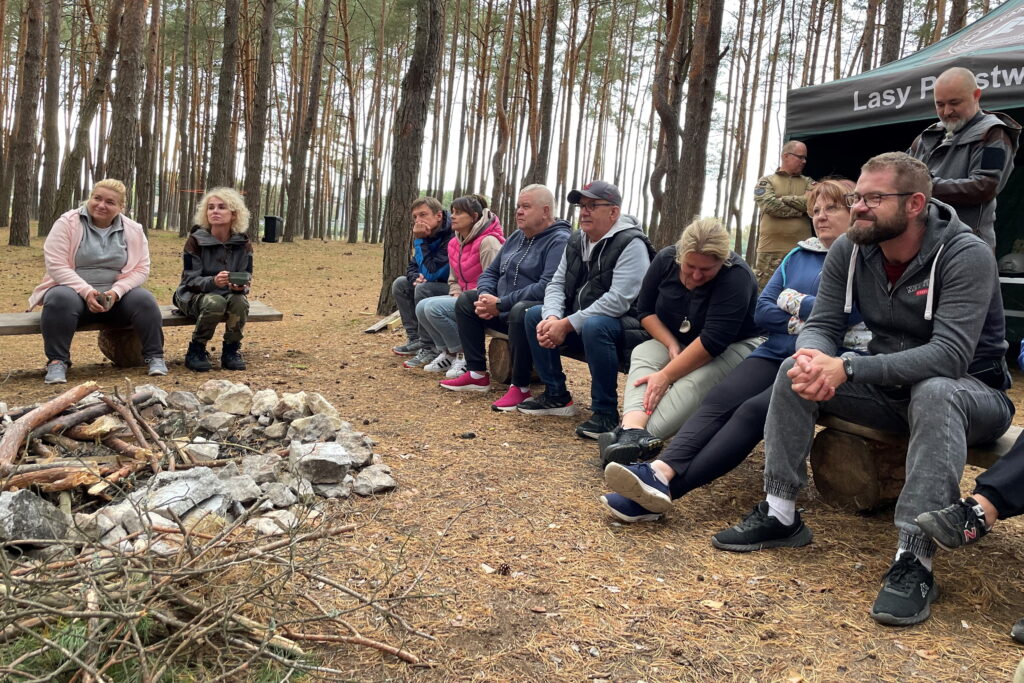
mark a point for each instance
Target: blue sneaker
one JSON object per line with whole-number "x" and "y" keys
{"x": 625, "y": 510}
{"x": 639, "y": 484}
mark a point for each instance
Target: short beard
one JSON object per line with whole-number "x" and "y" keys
{"x": 953, "y": 125}
{"x": 878, "y": 231}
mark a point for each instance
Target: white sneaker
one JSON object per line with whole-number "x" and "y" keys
{"x": 439, "y": 364}
{"x": 458, "y": 367}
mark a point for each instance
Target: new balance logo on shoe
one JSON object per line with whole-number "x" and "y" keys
{"x": 924, "y": 590}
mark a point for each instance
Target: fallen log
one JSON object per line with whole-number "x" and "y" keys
{"x": 88, "y": 414}
{"x": 17, "y": 432}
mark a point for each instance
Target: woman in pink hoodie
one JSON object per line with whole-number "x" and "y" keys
{"x": 96, "y": 261}
{"x": 478, "y": 238}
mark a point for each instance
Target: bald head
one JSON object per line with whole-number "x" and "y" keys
{"x": 794, "y": 157}
{"x": 957, "y": 98}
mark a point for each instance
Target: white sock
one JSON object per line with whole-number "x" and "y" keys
{"x": 925, "y": 561}
{"x": 477, "y": 375}
{"x": 525, "y": 390}
{"x": 781, "y": 509}
{"x": 660, "y": 477}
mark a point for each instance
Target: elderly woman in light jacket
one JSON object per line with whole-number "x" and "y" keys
{"x": 96, "y": 261}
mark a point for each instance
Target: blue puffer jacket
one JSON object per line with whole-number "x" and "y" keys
{"x": 800, "y": 272}
{"x": 430, "y": 254}
{"x": 524, "y": 266}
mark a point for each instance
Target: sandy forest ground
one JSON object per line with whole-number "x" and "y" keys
{"x": 576, "y": 596}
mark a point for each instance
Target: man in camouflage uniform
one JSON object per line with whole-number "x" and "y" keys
{"x": 782, "y": 199}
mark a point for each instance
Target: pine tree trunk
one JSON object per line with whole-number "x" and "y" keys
{"x": 71, "y": 166}
{"x": 223, "y": 152}
{"x": 256, "y": 137}
{"x": 410, "y": 119}
{"x": 184, "y": 151}
{"x": 51, "y": 133}
{"x": 25, "y": 125}
{"x": 892, "y": 33}
{"x": 124, "y": 129}
{"x": 147, "y": 140}
{"x": 297, "y": 220}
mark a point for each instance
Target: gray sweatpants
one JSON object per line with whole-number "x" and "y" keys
{"x": 942, "y": 415}
{"x": 64, "y": 312}
{"x": 407, "y": 295}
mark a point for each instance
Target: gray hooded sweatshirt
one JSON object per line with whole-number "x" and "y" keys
{"x": 942, "y": 318}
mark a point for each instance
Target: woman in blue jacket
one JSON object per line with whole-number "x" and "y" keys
{"x": 730, "y": 421}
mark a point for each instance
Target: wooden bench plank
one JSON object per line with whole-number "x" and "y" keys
{"x": 28, "y": 323}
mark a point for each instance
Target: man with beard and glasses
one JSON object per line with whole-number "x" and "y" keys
{"x": 969, "y": 152}
{"x": 926, "y": 288}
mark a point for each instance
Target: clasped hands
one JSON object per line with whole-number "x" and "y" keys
{"x": 221, "y": 280}
{"x": 552, "y": 331}
{"x": 93, "y": 303}
{"x": 486, "y": 307}
{"x": 816, "y": 375}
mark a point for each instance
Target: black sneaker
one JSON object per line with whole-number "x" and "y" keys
{"x": 908, "y": 590}
{"x": 546, "y": 404}
{"x": 605, "y": 440}
{"x": 598, "y": 424}
{"x": 759, "y": 531}
{"x": 960, "y": 524}
{"x": 633, "y": 445}
{"x": 1017, "y": 632}
{"x": 196, "y": 358}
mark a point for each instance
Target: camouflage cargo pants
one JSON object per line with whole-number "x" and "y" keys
{"x": 766, "y": 264}
{"x": 209, "y": 309}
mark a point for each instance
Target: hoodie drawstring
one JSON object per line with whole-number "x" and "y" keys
{"x": 929, "y": 302}
{"x": 848, "y": 305}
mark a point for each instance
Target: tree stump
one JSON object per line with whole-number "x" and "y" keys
{"x": 122, "y": 347}
{"x": 499, "y": 360}
{"x": 855, "y": 472}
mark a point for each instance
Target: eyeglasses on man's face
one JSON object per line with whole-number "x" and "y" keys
{"x": 801, "y": 157}
{"x": 589, "y": 207}
{"x": 872, "y": 199}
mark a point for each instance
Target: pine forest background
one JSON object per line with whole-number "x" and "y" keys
{"x": 335, "y": 114}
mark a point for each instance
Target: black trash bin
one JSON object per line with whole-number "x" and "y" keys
{"x": 273, "y": 226}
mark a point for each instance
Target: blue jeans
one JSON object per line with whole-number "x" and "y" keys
{"x": 600, "y": 340}
{"x": 436, "y": 316}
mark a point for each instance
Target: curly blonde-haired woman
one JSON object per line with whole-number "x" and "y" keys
{"x": 215, "y": 279}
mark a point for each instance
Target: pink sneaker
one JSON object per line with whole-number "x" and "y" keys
{"x": 465, "y": 382}
{"x": 513, "y": 397}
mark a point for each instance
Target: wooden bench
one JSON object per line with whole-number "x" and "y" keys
{"x": 499, "y": 359}
{"x": 121, "y": 345}
{"x": 863, "y": 469}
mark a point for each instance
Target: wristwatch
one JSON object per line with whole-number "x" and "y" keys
{"x": 848, "y": 367}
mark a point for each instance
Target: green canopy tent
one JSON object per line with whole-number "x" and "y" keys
{"x": 845, "y": 122}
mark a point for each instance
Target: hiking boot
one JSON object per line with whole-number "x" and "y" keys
{"x": 632, "y": 445}
{"x": 962, "y": 523}
{"x": 156, "y": 366}
{"x": 625, "y": 510}
{"x": 511, "y": 400}
{"x": 56, "y": 373}
{"x": 458, "y": 366}
{"x": 1017, "y": 632}
{"x": 466, "y": 382}
{"x": 908, "y": 590}
{"x": 598, "y": 424}
{"x": 410, "y": 348}
{"x": 546, "y": 404}
{"x": 759, "y": 530}
{"x": 424, "y": 356}
{"x": 441, "y": 362}
{"x": 230, "y": 358}
{"x": 196, "y": 358}
{"x": 640, "y": 484}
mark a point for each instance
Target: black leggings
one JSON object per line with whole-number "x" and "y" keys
{"x": 726, "y": 427}
{"x": 1003, "y": 483}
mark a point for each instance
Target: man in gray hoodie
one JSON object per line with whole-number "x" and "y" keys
{"x": 969, "y": 151}
{"x": 589, "y": 306}
{"x": 927, "y": 289}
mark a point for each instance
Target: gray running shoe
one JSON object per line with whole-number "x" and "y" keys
{"x": 1017, "y": 633}
{"x": 409, "y": 348}
{"x": 422, "y": 357}
{"x": 56, "y": 373}
{"x": 156, "y": 366}
{"x": 962, "y": 523}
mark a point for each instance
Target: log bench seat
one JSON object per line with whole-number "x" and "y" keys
{"x": 862, "y": 469}
{"x": 499, "y": 360}
{"x": 121, "y": 345}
